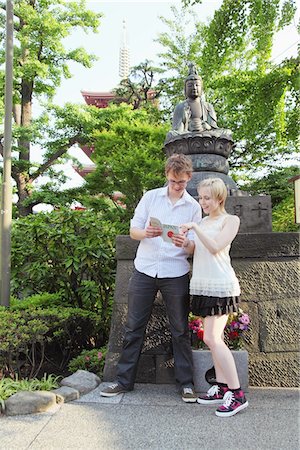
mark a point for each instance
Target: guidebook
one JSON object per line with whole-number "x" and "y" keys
{"x": 168, "y": 230}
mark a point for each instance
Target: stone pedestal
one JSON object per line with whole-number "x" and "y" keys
{"x": 209, "y": 155}
{"x": 203, "y": 362}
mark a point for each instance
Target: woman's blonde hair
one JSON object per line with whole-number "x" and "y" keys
{"x": 218, "y": 189}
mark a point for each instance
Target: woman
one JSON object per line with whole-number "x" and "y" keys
{"x": 215, "y": 292}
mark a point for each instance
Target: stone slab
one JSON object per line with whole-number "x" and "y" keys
{"x": 255, "y": 212}
{"x": 203, "y": 362}
{"x": 279, "y": 369}
{"x": 66, "y": 393}
{"x": 278, "y": 326}
{"x": 262, "y": 281}
{"x": 29, "y": 402}
{"x": 263, "y": 246}
{"x": 82, "y": 380}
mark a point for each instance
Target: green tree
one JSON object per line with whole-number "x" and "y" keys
{"x": 128, "y": 154}
{"x": 40, "y": 62}
{"x": 256, "y": 99}
{"x": 141, "y": 88}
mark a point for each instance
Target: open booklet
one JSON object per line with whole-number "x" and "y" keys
{"x": 168, "y": 230}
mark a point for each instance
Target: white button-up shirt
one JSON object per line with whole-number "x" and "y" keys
{"x": 155, "y": 257}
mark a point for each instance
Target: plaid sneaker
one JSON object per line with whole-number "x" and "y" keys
{"x": 215, "y": 395}
{"x": 188, "y": 395}
{"x": 233, "y": 403}
{"x": 112, "y": 390}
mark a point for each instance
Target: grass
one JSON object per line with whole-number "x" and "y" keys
{"x": 8, "y": 387}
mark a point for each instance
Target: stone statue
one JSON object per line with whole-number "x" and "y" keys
{"x": 195, "y": 116}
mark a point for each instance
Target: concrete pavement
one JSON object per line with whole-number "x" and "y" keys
{"x": 155, "y": 417}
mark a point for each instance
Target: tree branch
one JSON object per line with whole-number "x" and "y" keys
{"x": 53, "y": 158}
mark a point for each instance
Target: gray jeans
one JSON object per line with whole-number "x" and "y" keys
{"x": 141, "y": 296}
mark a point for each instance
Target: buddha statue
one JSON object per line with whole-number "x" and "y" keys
{"x": 194, "y": 116}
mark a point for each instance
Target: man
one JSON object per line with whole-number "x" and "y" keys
{"x": 161, "y": 266}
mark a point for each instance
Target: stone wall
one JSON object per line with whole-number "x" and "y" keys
{"x": 267, "y": 265}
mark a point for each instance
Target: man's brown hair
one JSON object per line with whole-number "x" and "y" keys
{"x": 179, "y": 163}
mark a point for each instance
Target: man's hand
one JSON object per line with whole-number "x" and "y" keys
{"x": 152, "y": 232}
{"x": 179, "y": 240}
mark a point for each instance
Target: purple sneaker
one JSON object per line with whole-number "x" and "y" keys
{"x": 215, "y": 395}
{"x": 233, "y": 403}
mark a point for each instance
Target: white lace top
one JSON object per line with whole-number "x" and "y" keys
{"x": 213, "y": 275}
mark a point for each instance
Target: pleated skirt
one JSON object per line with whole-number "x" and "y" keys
{"x": 203, "y": 306}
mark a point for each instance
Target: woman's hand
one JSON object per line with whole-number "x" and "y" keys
{"x": 185, "y": 227}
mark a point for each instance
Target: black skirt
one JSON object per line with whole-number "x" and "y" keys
{"x": 203, "y": 306}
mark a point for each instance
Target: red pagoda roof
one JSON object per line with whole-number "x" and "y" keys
{"x": 99, "y": 99}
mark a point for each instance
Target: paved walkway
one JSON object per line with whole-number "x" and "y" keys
{"x": 154, "y": 417}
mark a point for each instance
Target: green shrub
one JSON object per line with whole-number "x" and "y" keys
{"x": 67, "y": 252}
{"x": 91, "y": 360}
{"x": 283, "y": 216}
{"x": 44, "y": 300}
{"x": 29, "y": 337}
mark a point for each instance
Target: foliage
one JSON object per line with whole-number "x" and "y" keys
{"x": 70, "y": 252}
{"x": 128, "y": 154}
{"x": 140, "y": 88}
{"x": 44, "y": 300}
{"x": 30, "y": 337}
{"x": 237, "y": 325}
{"x": 9, "y": 387}
{"x": 276, "y": 185}
{"x": 283, "y": 216}
{"x": 91, "y": 360}
{"x": 40, "y": 62}
{"x": 253, "y": 97}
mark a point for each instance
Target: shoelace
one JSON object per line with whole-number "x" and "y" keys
{"x": 112, "y": 386}
{"x": 188, "y": 391}
{"x": 228, "y": 399}
{"x": 214, "y": 390}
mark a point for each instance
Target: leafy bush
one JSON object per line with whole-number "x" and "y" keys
{"x": 283, "y": 216}
{"x": 91, "y": 360}
{"x": 30, "y": 337}
{"x": 44, "y": 300}
{"x": 67, "y": 252}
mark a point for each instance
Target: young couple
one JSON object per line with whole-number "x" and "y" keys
{"x": 162, "y": 266}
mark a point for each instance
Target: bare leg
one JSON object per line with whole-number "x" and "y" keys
{"x": 222, "y": 356}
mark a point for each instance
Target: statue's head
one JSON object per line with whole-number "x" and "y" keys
{"x": 193, "y": 83}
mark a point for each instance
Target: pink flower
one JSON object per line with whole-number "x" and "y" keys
{"x": 234, "y": 325}
{"x": 100, "y": 355}
{"x": 87, "y": 358}
{"x": 244, "y": 319}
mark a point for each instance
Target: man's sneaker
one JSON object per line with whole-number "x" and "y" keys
{"x": 188, "y": 395}
{"x": 112, "y": 390}
{"x": 215, "y": 395}
{"x": 233, "y": 403}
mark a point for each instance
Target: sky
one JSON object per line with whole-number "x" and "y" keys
{"x": 143, "y": 26}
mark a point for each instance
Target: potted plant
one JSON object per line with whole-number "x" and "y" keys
{"x": 234, "y": 334}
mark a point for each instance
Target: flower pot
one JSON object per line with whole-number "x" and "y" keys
{"x": 203, "y": 362}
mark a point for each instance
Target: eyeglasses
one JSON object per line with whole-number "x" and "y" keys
{"x": 180, "y": 183}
